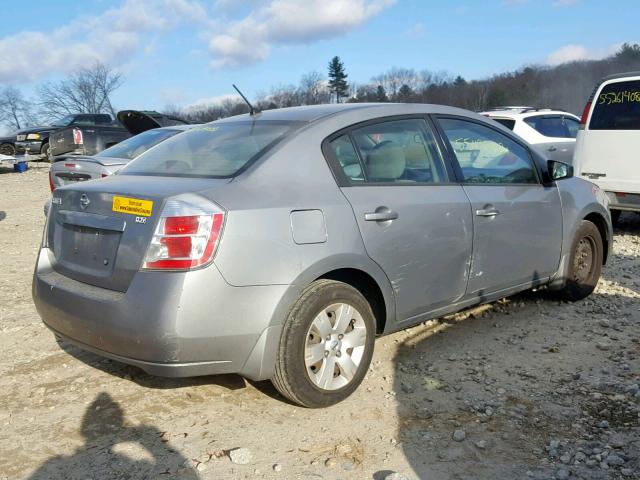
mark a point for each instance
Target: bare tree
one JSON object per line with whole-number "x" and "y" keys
{"x": 88, "y": 90}
{"x": 313, "y": 89}
{"x": 15, "y": 110}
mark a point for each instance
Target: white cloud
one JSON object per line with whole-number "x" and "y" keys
{"x": 281, "y": 22}
{"x": 117, "y": 34}
{"x": 575, "y": 52}
{"x": 211, "y": 101}
{"x": 111, "y": 37}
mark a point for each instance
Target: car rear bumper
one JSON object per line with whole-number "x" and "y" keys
{"x": 172, "y": 324}
{"x": 624, "y": 201}
{"x": 31, "y": 147}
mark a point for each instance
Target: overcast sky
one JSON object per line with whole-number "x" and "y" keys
{"x": 182, "y": 51}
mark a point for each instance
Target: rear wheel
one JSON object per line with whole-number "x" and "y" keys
{"x": 44, "y": 152}
{"x": 326, "y": 345}
{"x": 7, "y": 149}
{"x": 585, "y": 263}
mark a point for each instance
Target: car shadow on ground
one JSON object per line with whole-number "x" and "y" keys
{"x": 628, "y": 224}
{"x": 143, "y": 379}
{"x": 115, "y": 449}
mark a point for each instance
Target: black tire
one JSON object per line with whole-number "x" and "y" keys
{"x": 7, "y": 149}
{"x": 615, "y": 216}
{"x": 585, "y": 263}
{"x": 291, "y": 378}
{"x": 44, "y": 152}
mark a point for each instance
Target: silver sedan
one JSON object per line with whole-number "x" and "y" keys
{"x": 278, "y": 245}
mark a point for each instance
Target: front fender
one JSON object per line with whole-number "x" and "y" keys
{"x": 580, "y": 199}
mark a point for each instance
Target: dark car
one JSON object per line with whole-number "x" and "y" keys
{"x": 80, "y": 139}
{"x": 35, "y": 140}
{"x": 8, "y": 144}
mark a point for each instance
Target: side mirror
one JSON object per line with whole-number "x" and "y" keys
{"x": 559, "y": 170}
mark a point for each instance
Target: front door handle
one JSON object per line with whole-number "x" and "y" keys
{"x": 489, "y": 212}
{"x": 383, "y": 216}
{"x": 552, "y": 149}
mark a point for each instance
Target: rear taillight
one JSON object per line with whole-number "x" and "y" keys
{"x": 77, "y": 136}
{"x": 187, "y": 234}
{"x": 51, "y": 184}
{"x": 585, "y": 115}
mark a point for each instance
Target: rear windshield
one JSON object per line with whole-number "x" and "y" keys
{"x": 217, "y": 151}
{"x": 617, "y": 107}
{"x": 505, "y": 122}
{"x": 138, "y": 144}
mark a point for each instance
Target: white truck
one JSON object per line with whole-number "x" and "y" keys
{"x": 607, "y": 149}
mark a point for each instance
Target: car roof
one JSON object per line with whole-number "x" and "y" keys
{"x": 314, "y": 113}
{"x": 522, "y": 115}
{"x": 616, "y": 76}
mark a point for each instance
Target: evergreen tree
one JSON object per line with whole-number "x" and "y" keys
{"x": 381, "y": 95}
{"x": 405, "y": 93}
{"x": 459, "y": 81}
{"x": 337, "y": 78}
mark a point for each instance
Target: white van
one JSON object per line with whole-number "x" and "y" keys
{"x": 607, "y": 149}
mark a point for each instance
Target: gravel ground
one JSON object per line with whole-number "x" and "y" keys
{"x": 522, "y": 388}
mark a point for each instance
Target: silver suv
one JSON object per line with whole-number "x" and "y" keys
{"x": 279, "y": 245}
{"x": 552, "y": 132}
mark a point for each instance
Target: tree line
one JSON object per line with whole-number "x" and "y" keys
{"x": 566, "y": 87}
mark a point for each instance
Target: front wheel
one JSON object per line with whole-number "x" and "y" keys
{"x": 7, "y": 149}
{"x": 326, "y": 345}
{"x": 585, "y": 263}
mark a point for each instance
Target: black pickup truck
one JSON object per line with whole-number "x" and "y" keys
{"x": 36, "y": 140}
{"x": 91, "y": 139}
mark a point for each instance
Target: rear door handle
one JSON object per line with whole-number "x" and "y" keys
{"x": 489, "y": 212}
{"x": 552, "y": 149}
{"x": 380, "y": 216}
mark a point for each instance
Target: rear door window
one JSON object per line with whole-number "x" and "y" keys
{"x": 348, "y": 159}
{"x": 617, "y": 107}
{"x": 399, "y": 151}
{"x": 215, "y": 151}
{"x": 487, "y": 156}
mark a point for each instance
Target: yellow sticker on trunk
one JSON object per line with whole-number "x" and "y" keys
{"x": 134, "y": 206}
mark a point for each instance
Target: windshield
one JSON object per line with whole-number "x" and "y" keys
{"x": 217, "y": 151}
{"x": 138, "y": 144}
{"x": 64, "y": 121}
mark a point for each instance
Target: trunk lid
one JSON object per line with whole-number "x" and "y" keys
{"x": 94, "y": 241}
{"x": 136, "y": 121}
{"x": 72, "y": 170}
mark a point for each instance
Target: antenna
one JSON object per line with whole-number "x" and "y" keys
{"x": 252, "y": 111}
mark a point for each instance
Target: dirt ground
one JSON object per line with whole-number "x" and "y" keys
{"x": 522, "y": 388}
